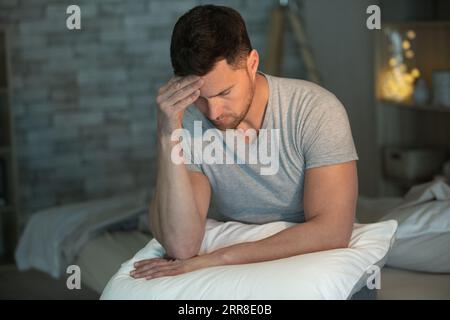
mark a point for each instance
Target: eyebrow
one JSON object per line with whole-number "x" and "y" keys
{"x": 225, "y": 90}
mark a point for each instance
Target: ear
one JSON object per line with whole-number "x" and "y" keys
{"x": 253, "y": 63}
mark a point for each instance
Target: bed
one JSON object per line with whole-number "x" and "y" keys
{"x": 398, "y": 283}
{"x": 110, "y": 249}
{"x": 106, "y": 249}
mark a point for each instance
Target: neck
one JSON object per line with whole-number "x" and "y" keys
{"x": 255, "y": 115}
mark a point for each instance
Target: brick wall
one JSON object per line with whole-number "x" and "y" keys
{"x": 83, "y": 101}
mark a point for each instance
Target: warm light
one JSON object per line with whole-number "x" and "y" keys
{"x": 409, "y": 54}
{"x": 392, "y": 62}
{"x": 408, "y": 78}
{"x": 396, "y": 86}
{"x": 406, "y": 45}
{"x": 397, "y": 81}
{"x": 415, "y": 73}
{"x": 411, "y": 34}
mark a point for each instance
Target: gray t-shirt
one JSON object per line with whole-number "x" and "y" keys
{"x": 313, "y": 131}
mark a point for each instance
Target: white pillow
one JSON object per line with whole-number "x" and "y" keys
{"x": 332, "y": 274}
{"x": 423, "y": 237}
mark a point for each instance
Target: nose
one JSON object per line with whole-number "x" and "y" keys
{"x": 215, "y": 110}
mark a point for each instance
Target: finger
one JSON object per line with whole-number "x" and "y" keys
{"x": 178, "y": 85}
{"x": 166, "y": 86}
{"x": 143, "y": 267}
{"x": 184, "y": 92}
{"x": 161, "y": 272}
{"x": 171, "y": 273}
{"x": 150, "y": 272}
{"x": 184, "y": 81}
{"x": 186, "y": 102}
{"x": 145, "y": 261}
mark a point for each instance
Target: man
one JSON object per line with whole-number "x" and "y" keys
{"x": 315, "y": 184}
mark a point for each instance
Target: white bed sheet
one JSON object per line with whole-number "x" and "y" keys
{"x": 397, "y": 284}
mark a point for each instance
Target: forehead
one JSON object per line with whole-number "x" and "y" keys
{"x": 219, "y": 78}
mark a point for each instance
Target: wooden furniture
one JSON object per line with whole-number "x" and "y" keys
{"x": 288, "y": 10}
{"x": 405, "y": 123}
{"x": 9, "y": 207}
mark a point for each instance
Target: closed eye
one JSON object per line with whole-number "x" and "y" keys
{"x": 224, "y": 92}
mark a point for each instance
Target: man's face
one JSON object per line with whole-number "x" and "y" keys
{"x": 226, "y": 95}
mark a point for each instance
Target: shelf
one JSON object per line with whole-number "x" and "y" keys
{"x": 417, "y": 24}
{"x": 416, "y": 107}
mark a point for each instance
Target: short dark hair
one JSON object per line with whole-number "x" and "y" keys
{"x": 206, "y": 34}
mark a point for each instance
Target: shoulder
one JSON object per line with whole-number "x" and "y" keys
{"x": 304, "y": 98}
{"x": 302, "y": 92}
{"x": 296, "y": 85}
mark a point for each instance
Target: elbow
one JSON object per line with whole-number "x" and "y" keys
{"x": 182, "y": 249}
{"x": 335, "y": 244}
{"x": 183, "y": 252}
{"x": 335, "y": 237}
{"x": 185, "y": 247}
{"x": 342, "y": 244}
{"x": 340, "y": 235}
{"x": 341, "y": 241}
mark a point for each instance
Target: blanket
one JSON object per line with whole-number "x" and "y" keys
{"x": 52, "y": 238}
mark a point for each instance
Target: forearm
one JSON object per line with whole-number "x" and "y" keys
{"x": 307, "y": 237}
{"x": 174, "y": 217}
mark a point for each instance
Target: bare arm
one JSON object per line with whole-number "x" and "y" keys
{"x": 330, "y": 197}
{"x": 178, "y": 210}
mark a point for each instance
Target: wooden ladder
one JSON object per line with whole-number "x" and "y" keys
{"x": 275, "y": 41}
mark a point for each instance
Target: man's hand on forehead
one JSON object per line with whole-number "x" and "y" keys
{"x": 174, "y": 97}
{"x": 177, "y": 82}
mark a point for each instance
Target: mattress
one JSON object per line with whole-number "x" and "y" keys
{"x": 102, "y": 256}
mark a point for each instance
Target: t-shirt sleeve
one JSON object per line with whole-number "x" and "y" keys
{"x": 325, "y": 134}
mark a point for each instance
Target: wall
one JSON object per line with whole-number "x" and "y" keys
{"x": 84, "y": 100}
{"x": 343, "y": 47}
